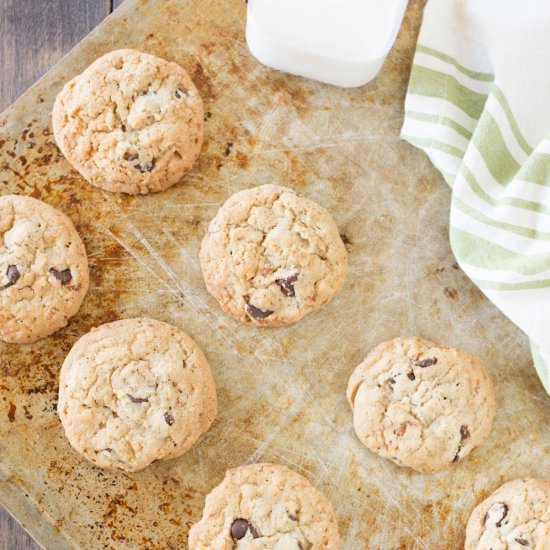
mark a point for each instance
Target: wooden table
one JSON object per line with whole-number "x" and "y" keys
{"x": 34, "y": 34}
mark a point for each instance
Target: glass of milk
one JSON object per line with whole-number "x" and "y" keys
{"x": 341, "y": 42}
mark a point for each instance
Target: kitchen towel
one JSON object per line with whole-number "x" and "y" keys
{"x": 478, "y": 104}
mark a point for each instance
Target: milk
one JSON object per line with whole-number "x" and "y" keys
{"x": 342, "y": 42}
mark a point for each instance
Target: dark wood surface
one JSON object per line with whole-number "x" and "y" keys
{"x": 35, "y": 34}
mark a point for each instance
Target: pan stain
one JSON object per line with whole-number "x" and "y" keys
{"x": 210, "y": 47}
{"x": 116, "y": 505}
{"x": 11, "y": 412}
{"x": 72, "y": 201}
{"x": 298, "y": 173}
{"x": 43, "y": 160}
{"x": 202, "y": 81}
{"x": 46, "y": 387}
{"x": 242, "y": 159}
{"x": 175, "y": 521}
{"x": 451, "y": 293}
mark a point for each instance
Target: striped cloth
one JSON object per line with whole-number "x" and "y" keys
{"x": 478, "y": 104}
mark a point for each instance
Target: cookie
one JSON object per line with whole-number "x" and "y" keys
{"x": 420, "y": 404}
{"x": 267, "y": 507}
{"x": 515, "y": 517}
{"x": 131, "y": 122}
{"x": 271, "y": 256}
{"x": 133, "y": 392}
{"x": 43, "y": 269}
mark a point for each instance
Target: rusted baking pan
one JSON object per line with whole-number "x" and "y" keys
{"x": 282, "y": 391}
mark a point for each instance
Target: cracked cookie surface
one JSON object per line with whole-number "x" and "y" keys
{"x": 515, "y": 517}
{"x": 135, "y": 391}
{"x": 420, "y": 404}
{"x": 131, "y": 122}
{"x": 43, "y": 269}
{"x": 265, "y": 507}
{"x": 270, "y": 256}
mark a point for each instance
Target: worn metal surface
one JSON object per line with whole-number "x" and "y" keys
{"x": 281, "y": 391}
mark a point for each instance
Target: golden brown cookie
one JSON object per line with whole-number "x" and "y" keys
{"x": 43, "y": 269}
{"x": 131, "y": 122}
{"x": 515, "y": 517}
{"x": 420, "y": 404}
{"x": 270, "y": 256}
{"x": 135, "y": 391}
{"x": 268, "y": 507}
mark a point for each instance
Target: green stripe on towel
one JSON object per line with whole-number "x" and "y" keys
{"x": 484, "y": 77}
{"x": 479, "y": 252}
{"x": 430, "y": 83}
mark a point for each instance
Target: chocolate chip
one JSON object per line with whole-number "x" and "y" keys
{"x": 64, "y": 276}
{"x": 106, "y": 450}
{"x": 464, "y": 434}
{"x": 292, "y": 517}
{"x": 287, "y": 285}
{"x": 523, "y": 542}
{"x": 146, "y": 166}
{"x": 240, "y": 527}
{"x": 123, "y": 127}
{"x": 130, "y": 157}
{"x": 169, "y": 419}
{"x": 505, "y": 510}
{"x": 402, "y": 429}
{"x": 390, "y": 382}
{"x": 411, "y": 376}
{"x": 138, "y": 399}
{"x": 426, "y": 362}
{"x": 257, "y": 313}
{"x": 500, "y": 508}
{"x": 179, "y": 93}
{"x": 13, "y": 275}
{"x": 228, "y": 149}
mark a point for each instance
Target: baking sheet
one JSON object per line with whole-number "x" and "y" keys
{"x": 282, "y": 391}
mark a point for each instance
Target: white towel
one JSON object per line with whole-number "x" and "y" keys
{"x": 478, "y": 104}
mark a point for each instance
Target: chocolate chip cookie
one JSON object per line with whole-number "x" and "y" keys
{"x": 420, "y": 404}
{"x": 135, "y": 391}
{"x": 131, "y": 122}
{"x": 515, "y": 517}
{"x": 43, "y": 269}
{"x": 268, "y": 507}
{"x": 271, "y": 256}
